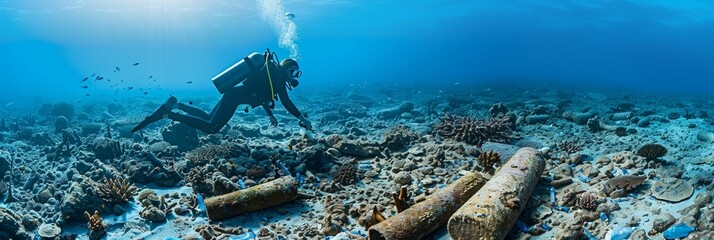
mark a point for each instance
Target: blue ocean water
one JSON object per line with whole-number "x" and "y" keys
{"x": 48, "y": 47}
{"x": 404, "y": 98}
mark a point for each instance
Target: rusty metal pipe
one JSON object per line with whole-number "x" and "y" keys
{"x": 251, "y": 199}
{"x": 418, "y": 221}
{"x": 494, "y": 209}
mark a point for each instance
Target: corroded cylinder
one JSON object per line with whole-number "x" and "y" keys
{"x": 493, "y": 210}
{"x": 418, "y": 221}
{"x": 255, "y": 198}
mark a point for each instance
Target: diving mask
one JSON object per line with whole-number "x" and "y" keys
{"x": 295, "y": 73}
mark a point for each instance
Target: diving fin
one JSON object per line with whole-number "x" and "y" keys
{"x": 158, "y": 114}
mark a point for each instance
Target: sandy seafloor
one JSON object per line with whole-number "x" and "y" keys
{"x": 386, "y": 146}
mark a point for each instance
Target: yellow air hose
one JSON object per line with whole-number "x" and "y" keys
{"x": 270, "y": 80}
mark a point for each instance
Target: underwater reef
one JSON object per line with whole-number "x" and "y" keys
{"x": 609, "y": 165}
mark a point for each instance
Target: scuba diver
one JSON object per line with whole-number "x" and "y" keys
{"x": 263, "y": 81}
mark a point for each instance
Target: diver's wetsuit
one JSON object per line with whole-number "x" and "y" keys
{"x": 255, "y": 91}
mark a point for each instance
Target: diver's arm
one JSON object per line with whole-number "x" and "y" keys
{"x": 273, "y": 120}
{"x": 287, "y": 103}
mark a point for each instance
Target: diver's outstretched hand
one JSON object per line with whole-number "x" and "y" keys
{"x": 305, "y": 123}
{"x": 273, "y": 121}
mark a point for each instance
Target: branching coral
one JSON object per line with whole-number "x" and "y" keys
{"x": 96, "y": 226}
{"x": 570, "y": 146}
{"x": 117, "y": 191}
{"x": 95, "y": 222}
{"x": 652, "y": 151}
{"x": 475, "y": 131}
{"x": 489, "y": 160}
{"x": 375, "y": 218}
{"x": 401, "y": 199}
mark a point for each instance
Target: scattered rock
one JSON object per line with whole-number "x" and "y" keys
{"x": 180, "y": 135}
{"x": 11, "y": 226}
{"x": 403, "y": 178}
{"x": 61, "y": 124}
{"x": 662, "y": 222}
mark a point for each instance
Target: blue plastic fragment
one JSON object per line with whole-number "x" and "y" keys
{"x": 562, "y": 208}
{"x": 584, "y": 179}
{"x": 552, "y": 195}
{"x": 589, "y": 235}
{"x": 603, "y": 217}
{"x": 365, "y": 166}
{"x": 245, "y": 236}
{"x": 285, "y": 171}
{"x": 622, "y": 233}
{"x": 521, "y": 226}
{"x": 545, "y": 227}
{"x": 679, "y": 230}
{"x": 201, "y": 205}
{"x": 300, "y": 179}
{"x": 241, "y": 184}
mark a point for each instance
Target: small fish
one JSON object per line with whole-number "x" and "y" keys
{"x": 146, "y": 93}
{"x": 85, "y": 79}
{"x": 9, "y": 104}
{"x": 135, "y": 64}
{"x": 117, "y": 69}
{"x": 456, "y": 83}
{"x": 150, "y": 77}
{"x": 85, "y": 86}
{"x": 129, "y": 88}
{"x": 189, "y": 82}
{"x": 86, "y": 94}
{"x": 190, "y": 103}
{"x": 290, "y": 146}
{"x": 100, "y": 78}
{"x": 93, "y": 74}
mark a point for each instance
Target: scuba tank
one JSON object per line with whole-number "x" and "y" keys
{"x": 237, "y": 73}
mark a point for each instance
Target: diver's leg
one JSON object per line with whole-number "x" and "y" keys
{"x": 159, "y": 114}
{"x": 193, "y": 121}
{"x": 195, "y": 111}
{"x": 221, "y": 114}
